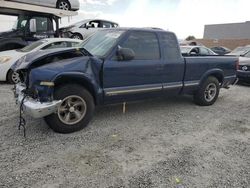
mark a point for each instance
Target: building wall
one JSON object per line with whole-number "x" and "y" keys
{"x": 228, "y": 31}
{"x": 229, "y": 43}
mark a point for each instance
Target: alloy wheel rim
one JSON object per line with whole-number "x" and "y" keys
{"x": 210, "y": 92}
{"x": 15, "y": 77}
{"x": 64, "y": 6}
{"x": 72, "y": 110}
{"x": 76, "y": 37}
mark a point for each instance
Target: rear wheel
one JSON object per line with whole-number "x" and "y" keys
{"x": 13, "y": 77}
{"x": 75, "y": 112}
{"x": 63, "y": 4}
{"x": 77, "y": 36}
{"x": 208, "y": 92}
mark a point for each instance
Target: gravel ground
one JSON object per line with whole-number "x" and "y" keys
{"x": 155, "y": 144}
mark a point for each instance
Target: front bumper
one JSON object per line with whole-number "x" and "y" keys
{"x": 243, "y": 75}
{"x": 35, "y": 108}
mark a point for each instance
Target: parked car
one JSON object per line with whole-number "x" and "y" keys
{"x": 220, "y": 50}
{"x": 196, "y": 51}
{"x": 8, "y": 58}
{"x": 85, "y": 28}
{"x": 244, "y": 68}
{"x": 240, "y": 51}
{"x": 60, "y": 4}
{"x": 115, "y": 66}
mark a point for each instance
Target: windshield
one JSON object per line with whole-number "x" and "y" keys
{"x": 185, "y": 49}
{"x": 21, "y": 22}
{"x": 32, "y": 46}
{"x": 101, "y": 42}
{"x": 240, "y": 51}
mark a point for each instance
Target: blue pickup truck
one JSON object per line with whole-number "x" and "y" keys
{"x": 115, "y": 66}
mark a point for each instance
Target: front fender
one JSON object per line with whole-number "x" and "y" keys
{"x": 89, "y": 82}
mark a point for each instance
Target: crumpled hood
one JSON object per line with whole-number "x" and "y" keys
{"x": 27, "y": 61}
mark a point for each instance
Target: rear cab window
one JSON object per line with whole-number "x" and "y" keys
{"x": 170, "y": 46}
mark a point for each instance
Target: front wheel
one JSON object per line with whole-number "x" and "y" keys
{"x": 63, "y": 4}
{"x": 208, "y": 92}
{"x": 13, "y": 77}
{"x": 75, "y": 112}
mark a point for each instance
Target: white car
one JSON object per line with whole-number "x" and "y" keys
{"x": 60, "y": 4}
{"x": 8, "y": 58}
{"x": 196, "y": 51}
{"x": 83, "y": 29}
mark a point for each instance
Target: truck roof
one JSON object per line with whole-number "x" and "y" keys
{"x": 140, "y": 29}
{"x": 15, "y": 9}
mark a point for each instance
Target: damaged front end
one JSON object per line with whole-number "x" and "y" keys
{"x": 33, "y": 106}
{"x": 35, "y": 91}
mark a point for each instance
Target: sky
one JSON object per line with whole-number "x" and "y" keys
{"x": 184, "y": 17}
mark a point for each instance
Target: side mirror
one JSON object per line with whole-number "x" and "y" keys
{"x": 33, "y": 25}
{"x": 125, "y": 54}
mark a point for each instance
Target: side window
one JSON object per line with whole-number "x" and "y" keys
{"x": 195, "y": 50}
{"x": 106, "y": 25}
{"x": 144, "y": 44}
{"x": 93, "y": 24}
{"x": 204, "y": 51}
{"x": 114, "y": 25}
{"x": 73, "y": 44}
{"x": 41, "y": 24}
{"x": 56, "y": 45}
{"x": 170, "y": 46}
{"x": 83, "y": 26}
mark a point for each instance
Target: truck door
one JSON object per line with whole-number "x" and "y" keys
{"x": 137, "y": 78}
{"x": 44, "y": 29}
{"x": 173, "y": 65}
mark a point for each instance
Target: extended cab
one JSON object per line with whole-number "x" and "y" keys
{"x": 114, "y": 66}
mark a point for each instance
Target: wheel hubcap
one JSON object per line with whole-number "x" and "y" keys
{"x": 64, "y": 6}
{"x": 76, "y": 37}
{"x": 210, "y": 92}
{"x": 72, "y": 110}
{"x": 15, "y": 77}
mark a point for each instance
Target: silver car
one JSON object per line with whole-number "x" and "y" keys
{"x": 85, "y": 28}
{"x": 196, "y": 51}
{"x": 60, "y": 4}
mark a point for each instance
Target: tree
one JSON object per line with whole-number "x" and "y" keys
{"x": 191, "y": 37}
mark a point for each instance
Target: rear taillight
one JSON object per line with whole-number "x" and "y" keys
{"x": 238, "y": 65}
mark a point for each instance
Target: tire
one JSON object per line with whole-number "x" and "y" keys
{"x": 12, "y": 77}
{"x": 77, "y": 36}
{"x": 65, "y": 120}
{"x": 208, "y": 92}
{"x": 63, "y": 4}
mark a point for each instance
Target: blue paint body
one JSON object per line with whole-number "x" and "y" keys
{"x": 113, "y": 81}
